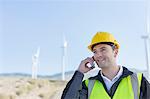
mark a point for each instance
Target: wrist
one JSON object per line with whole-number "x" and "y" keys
{"x": 80, "y": 71}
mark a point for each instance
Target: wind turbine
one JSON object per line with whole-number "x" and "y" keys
{"x": 64, "y": 49}
{"x": 35, "y": 63}
{"x": 146, "y": 39}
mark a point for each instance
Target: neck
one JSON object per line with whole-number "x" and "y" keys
{"x": 110, "y": 72}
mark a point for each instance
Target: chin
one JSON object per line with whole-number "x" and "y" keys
{"x": 102, "y": 66}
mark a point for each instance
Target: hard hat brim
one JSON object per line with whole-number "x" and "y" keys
{"x": 90, "y": 47}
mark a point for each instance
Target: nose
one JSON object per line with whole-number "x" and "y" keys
{"x": 97, "y": 55}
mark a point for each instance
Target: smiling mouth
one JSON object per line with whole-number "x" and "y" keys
{"x": 101, "y": 61}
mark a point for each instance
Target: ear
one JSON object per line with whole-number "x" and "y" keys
{"x": 115, "y": 52}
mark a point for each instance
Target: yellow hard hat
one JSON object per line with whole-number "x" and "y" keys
{"x": 103, "y": 37}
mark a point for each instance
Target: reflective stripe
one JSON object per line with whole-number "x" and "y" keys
{"x": 135, "y": 85}
{"x": 90, "y": 87}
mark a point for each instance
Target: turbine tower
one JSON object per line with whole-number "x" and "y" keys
{"x": 35, "y": 63}
{"x": 64, "y": 52}
{"x": 146, "y": 39}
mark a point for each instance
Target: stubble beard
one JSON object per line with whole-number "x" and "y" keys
{"x": 103, "y": 64}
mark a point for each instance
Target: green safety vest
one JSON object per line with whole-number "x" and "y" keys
{"x": 128, "y": 88}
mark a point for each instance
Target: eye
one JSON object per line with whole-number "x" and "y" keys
{"x": 103, "y": 50}
{"x": 94, "y": 52}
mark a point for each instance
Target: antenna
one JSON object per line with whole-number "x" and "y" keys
{"x": 64, "y": 52}
{"x": 35, "y": 63}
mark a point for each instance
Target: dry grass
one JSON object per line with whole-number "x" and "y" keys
{"x": 27, "y": 88}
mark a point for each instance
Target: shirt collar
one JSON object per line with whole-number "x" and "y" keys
{"x": 116, "y": 77}
{"x": 125, "y": 73}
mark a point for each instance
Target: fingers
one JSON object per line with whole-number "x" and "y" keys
{"x": 82, "y": 67}
{"x": 88, "y": 60}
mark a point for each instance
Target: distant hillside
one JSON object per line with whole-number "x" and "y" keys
{"x": 57, "y": 76}
{"x": 68, "y": 74}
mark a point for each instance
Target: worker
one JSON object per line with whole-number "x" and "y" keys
{"x": 113, "y": 81}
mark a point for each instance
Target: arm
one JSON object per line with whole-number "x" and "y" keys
{"x": 73, "y": 88}
{"x": 145, "y": 89}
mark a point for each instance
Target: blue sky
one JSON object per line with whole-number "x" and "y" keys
{"x": 27, "y": 24}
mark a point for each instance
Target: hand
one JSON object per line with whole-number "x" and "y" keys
{"x": 82, "y": 67}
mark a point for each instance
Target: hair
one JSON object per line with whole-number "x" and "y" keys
{"x": 113, "y": 46}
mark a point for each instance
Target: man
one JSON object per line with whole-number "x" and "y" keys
{"x": 113, "y": 81}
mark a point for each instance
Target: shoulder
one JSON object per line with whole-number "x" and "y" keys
{"x": 86, "y": 81}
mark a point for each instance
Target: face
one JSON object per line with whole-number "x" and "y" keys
{"x": 104, "y": 55}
